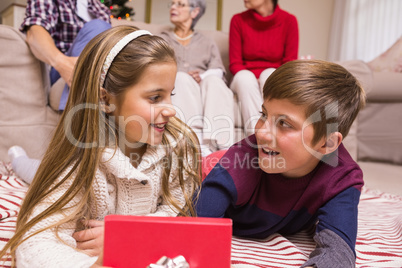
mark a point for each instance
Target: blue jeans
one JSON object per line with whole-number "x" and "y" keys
{"x": 89, "y": 31}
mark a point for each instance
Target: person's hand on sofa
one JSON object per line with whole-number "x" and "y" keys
{"x": 65, "y": 66}
{"x": 90, "y": 240}
{"x": 44, "y": 48}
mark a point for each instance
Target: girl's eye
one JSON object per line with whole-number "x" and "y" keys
{"x": 155, "y": 98}
{"x": 172, "y": 94}
{"x": 263, "y": 115}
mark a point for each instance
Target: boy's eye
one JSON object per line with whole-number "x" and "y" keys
{"x": 283, "y": 123}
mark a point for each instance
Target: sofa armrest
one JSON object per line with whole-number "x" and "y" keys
{"x": 25, "y": 75}
{"x": 379, "y": 123}
{"x": 387, "y": 87}
{"x": 25, "y": 117}
{"x": 361, "y": 71}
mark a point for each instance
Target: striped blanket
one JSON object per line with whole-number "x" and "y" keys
{"x": 379, "y": 240}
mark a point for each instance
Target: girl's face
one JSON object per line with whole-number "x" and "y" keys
{"x": 145, "y": 108}
{"x": 284, "y": 139}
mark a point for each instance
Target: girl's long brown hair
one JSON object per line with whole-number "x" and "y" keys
{"x": 84, "y": 131}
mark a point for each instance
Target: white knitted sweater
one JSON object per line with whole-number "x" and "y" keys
{"x": 119, "y": 189}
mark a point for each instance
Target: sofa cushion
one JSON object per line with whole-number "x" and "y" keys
{"x": 25, "y": 117}
{"x": 24, "y": 76}
{"x": 55, "y": 94}
{"x": 387, "y": 87}
{"x": 379, "y": 133}
{"x": 361, "y": 71}
{"x": 390, "y": 60}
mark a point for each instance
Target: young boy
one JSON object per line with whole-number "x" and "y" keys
{"x": 295, "y": 172}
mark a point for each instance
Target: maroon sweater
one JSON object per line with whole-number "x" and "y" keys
{"x": 257, "y": 43}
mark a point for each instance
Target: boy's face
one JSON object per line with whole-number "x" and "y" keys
{"x": 284, "y": 138}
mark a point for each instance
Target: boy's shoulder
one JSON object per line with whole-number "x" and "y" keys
{"x": 340, "y": 161}
{"x": 338, "y": 173}
{"x": 245, "y": 150}
{"x": 241, "y": 160}
{"x": 239, "y": 168}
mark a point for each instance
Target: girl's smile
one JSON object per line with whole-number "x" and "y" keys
{"x": 143, "y": 110}
{"x": 159, "y": 127}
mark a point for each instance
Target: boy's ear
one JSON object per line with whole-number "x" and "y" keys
{"x": 331, "y": 143}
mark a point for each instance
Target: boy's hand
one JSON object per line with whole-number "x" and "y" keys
{"x": 91, "y": 240}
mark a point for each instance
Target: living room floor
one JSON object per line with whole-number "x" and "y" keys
{"x": 386, "y": 179}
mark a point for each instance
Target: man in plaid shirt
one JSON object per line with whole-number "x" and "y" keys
{"x": 58, "y": 30}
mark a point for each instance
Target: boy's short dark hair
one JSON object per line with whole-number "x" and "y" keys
{"x": 330, "y": 93}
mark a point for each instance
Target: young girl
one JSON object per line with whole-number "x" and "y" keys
{"x": 118, "y": 149}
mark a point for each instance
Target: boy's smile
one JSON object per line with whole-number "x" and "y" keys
{"x": 282, "y": 139}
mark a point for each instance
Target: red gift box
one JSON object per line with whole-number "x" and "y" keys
{"x": 138, "y": 241}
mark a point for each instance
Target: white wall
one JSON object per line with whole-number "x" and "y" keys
{"x": 314, "y": 17}
{"x": 139, "y": 9}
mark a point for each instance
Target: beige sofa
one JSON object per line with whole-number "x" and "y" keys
{"x": 27, "y": 118}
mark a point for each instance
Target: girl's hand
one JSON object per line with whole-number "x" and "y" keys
{"x": 91, "y": 240}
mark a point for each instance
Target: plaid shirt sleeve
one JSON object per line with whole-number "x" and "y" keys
{"x": 99, "y": 10}
{"x": 59, "y": 18}
{"x": 43, "y": 13}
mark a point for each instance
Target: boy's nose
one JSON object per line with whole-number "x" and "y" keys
{"x": 267, "y": 132}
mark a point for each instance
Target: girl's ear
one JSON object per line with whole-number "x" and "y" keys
{"x": 104, "y": 101}
{"x": 332, "y": 143}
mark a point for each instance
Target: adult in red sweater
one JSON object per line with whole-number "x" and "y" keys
{"x": 261, "y": 39}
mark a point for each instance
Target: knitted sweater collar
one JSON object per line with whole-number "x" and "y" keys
{"x": 268, "y": 21}
{"x": 115, "y": 161}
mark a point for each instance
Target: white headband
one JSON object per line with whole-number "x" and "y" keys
{"x": 116, "y": 49}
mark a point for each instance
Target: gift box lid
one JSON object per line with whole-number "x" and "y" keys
{"x": 138, "y": 241}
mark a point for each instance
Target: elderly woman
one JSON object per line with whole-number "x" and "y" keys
{"x": 202, "y": 98}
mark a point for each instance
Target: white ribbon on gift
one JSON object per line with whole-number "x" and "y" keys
{"x": 165, "y": 262}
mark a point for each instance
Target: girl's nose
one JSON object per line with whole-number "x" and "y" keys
{"x": 168, "y": 110}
